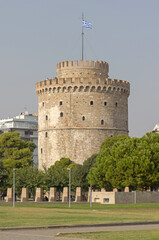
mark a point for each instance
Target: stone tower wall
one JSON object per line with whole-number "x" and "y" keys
{"x": 77, "y": 113}
{"x": 79, "y": 69}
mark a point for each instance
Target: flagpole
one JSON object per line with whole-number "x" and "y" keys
{"x": 82, "y": 37}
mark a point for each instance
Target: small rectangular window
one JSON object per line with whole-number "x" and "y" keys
{"x": 91, "y": 103}
{"x": 41, "y": 150}
{"x": 61, "y": 114}
{"x": 46, "y": 134}
{"x": 60, "y": 103}
{"x": 116, "y": 104}
{"x": 106, "y": 200}
{"x": 46, "y": 117}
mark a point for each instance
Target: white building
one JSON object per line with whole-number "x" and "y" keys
{"x": 27, "y": 125}
{"x": 156, "y": 128}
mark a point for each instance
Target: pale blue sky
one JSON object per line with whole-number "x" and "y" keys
{"x": 36, "y": 34}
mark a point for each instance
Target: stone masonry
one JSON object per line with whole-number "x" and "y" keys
{"x": 78, "y": 110}
{"x": 38, "y": 195}
{"x": 65, "y": 195}
{"x": 52, "y": 195}
{"x": 25, "y": 195}
{"x": 9, "y": 197}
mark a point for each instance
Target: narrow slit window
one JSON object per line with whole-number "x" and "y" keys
{"x": 46, "y": 135}
{"x": 83, "y": 118}
{"x": 41, "y": 150}
{"x": 61, "y": 114}
{"x": 102, "y": 122}
{"x": 116, "y": 104}
{"x": 43, "y": 104}
{"x": 105, "y": 103}
{"x": 46, "y": 117}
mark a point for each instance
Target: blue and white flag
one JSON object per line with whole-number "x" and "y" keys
{"x": 87, "y": 24}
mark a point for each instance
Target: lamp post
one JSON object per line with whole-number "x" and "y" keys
{"x": 69, "y": 186}
{"x": 13, "y": 187}
{"x": 90, "y": 195}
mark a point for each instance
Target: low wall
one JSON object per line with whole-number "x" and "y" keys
{"x": 147, "y": 197}
{"x": 125, "y": 197}
{"x": 103, "y": 197}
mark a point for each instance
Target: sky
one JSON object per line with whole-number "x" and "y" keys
{"x": 37, "y": 34}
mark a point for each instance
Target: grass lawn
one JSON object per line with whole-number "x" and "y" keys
{"x": 59, "y": 214}
{"x": 123, "y": 235}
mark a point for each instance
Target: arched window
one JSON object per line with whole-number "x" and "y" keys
{"x": 83, "y": 118}
{"x": 105, "y": 103}
{"x": 60, "y": 103}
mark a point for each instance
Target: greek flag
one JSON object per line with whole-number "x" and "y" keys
{"x": 87, "y": 24}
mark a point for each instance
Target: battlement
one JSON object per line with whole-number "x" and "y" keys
{"x": 82, "y": 84}
{"x": 81, "y": 68}
{"x": 75, "y": 63}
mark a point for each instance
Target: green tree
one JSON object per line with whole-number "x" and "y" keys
{"x": 29, "y": 177}
{"x": 132, "y": 162}
{"x": 3, "y": 177}
{"x": 80, "y": 172}
{"x": 110, "y": 141}
{"x": 96, "y": 176}
{"x": 57, "y": 175}
{"x": 15, "y": 152}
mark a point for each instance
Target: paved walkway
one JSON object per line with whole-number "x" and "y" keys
{"x": 49, "y": 234}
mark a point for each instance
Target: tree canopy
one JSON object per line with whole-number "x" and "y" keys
{"x": 57, "y": 174}
{"x": 132, "y": 162}
{"x": 15, "y": 152}
{"x": 80, "y": 172}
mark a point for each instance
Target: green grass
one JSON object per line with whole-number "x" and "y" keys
{"x": 122, "y": 235}
{"x": 60, "y": 214}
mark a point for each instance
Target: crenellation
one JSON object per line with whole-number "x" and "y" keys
{"x": 47, "y": 82}
{"x": 70, "y": 63}
{"x": 102, "y": 81}
{"x": 54, "y": 81}
{"x": 87, "y": 63}
{"x": 61, "y": 81}
{"x": 109, "y": 81}
{"x": 111, "y": 85}
{"x": 75, "y": 63}
{"x": 92, "y": 63}
{"x": 66, "y": 64}
{"x": 81, "y": 63}
{"x": 97, "y": 64}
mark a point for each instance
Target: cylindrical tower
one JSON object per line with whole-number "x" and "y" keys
{"x": 78, "y": 110}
